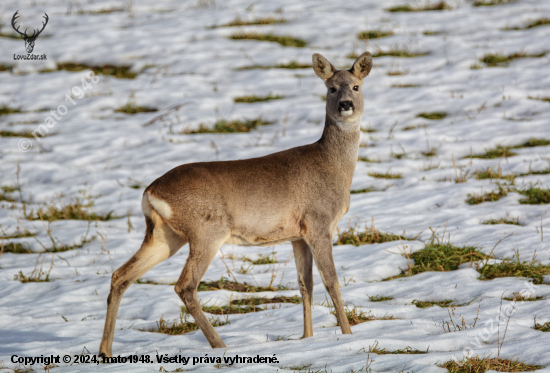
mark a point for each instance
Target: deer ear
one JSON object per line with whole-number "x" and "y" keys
{"x": 362, "y": 65}
{"x": 322, "y": 67}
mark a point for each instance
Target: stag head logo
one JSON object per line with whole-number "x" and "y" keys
{"x": 29, "y": 39}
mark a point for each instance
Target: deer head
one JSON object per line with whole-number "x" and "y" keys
{"x": 29, "y": 39}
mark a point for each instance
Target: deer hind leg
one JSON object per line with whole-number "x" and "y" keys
{"x": 304, "y": 265}
{"x": 160, "y": 243}
{"x": 321, "y": 246}
{"x": 201, "y": 254}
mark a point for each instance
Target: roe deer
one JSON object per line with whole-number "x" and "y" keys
{"x": 296, "y": 195}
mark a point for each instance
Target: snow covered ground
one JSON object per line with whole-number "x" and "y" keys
{"x": 180, "y": 59}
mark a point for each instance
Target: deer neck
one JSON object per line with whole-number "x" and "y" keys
{"x": 340, "y": 144}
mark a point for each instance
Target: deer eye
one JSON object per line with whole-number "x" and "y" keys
{"x": 355, "y": 87}
{"x": 332, "y": 89}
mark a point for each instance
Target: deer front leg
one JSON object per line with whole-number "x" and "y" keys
{"x": 304, "y": 265}
{"x": 321, "y": 246}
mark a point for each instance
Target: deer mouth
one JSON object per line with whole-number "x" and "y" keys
{"x": 346, "y": 113}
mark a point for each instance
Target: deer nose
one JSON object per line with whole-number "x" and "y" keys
{"x": 346, "y": 105}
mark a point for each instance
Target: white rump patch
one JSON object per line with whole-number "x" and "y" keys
{"x": 158, "y": 204}
{"x": 346, "y": 113}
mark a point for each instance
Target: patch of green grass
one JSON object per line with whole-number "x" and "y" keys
{"x": 426, "y": 7}
{"x": 15, "y": 248}
{"x": 542, "y": 327}
{"x": 535, "y": 23}
{"x": 515, "y": 268}
{"x": 518, "y": 297}
{"x": 358, "y": 191}
{"x": 492, "y": 196}
{"x": 182, "y": 326}
{"x": 440, "y": 257}
{"x": 547, "y": 99}
{"x": 430, "y": 152}
{"x": 5, "y": 194}
{"x": 490, "y": 173}
{"x": 284, "y": 40}
{"x": 258, "y": 301}
{"x": 399, "y": 85}
{"x": 431, "y": 33}
{"x": 532, "y": 142}
{"x": 382, "y": 351}
{"x": 231, "y": 309}
{"x": 371, "y": 235}
{"x": 77, "y": 208}
{"x": 132, "y": 108}
{"x": 262, "y": 259}
{"x": 120, "y": 72}
{"x": 397, "y": 52}
{"x": 387, "y": 175}
{"x": 379, "y": 298}
{"x": 492, "y": 2}
{"x": 498, "y": 152}
{"x": 5, "y": 110}
{"x": 497, "y": 59}
{"x": 292, "y": 65}
{"x": 7, "y": 133}
{"x": 506, "y": 220}
{"x": 4, "y": 67}
{"x": 535, "y": 195}
{"x": 373, "y": 34}
{"x": 426, "y": 304}
{"x": 225, "y": 284}
{"x": 483, "y": 364}
{"x": 433, "y": 115}
{"x": 254, "y": 98}
{"x": 356, "y": 316}
{"x": 256, "y": 21}
{"x": 225, "y": 126}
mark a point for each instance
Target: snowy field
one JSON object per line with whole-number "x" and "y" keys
{"x": 191, "y": 72}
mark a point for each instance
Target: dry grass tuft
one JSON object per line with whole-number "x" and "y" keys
{"x": 356, "y": 316}
{"x": 382, "y": 351}
{"x": 397, "y": 51}
{"x": 421, "y": 8}
{"x": 284, "y": 40}
{"x": 433, "y": 115}
{"x": 497, "y": 59}
{"x": 387, "y": 175}
{"x": 259, "y": 301}
{"x": 371, "y": 235}
{"x": 120, "y": 72}
{"x": 518, "y": 297}
{"x": 373, "y": 34}
{"x": 182, "y": 326}
{"x": 535, "y": 23}
{"x": 514, "y": 268}
{"x": 78, "y": 208}
{"x": 254, "y": 98}
{"x": 482, "y": 364}
{"x": 498, "y": 152}
{"x": 5, "y": 110}
{"x": 492, "y": 196}
{"x": 492, "y": 2}
{"x": 535, "y": 196}
{"x": 225, "y": 284}
{"x": 227, "y": 126}
{"x": 256, "y": 21}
